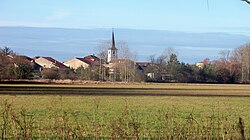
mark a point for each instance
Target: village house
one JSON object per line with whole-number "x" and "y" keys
{"x": 76, "y": 63}
{"x": 119, "y": 63}
{"x": 22, "y": 59}
{"x": 203, "y": 63}
{"x": 92, "y": 60}
{"x": 32, "y": 62}
{"x": 49, "y": 62}
{"x": 142, "y": 66}
{"x": 87, "y": 61}
{"x": 200, "y": 65}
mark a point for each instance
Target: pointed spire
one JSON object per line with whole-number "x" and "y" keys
{"x": 113, "y": 40}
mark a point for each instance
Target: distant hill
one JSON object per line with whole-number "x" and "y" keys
{"x": 64, "y": 44}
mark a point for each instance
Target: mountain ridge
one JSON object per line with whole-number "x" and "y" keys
{"x": 67, "y": 43}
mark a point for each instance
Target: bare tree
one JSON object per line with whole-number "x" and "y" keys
{"x": 225, "y": 54}
{"x": 246, "y": 62}
{"x": 227, "y": 67}
{"x": 103, "y": 55}
{"x": 242, "y": 54}
{"x": 7, "y": 51}
{"x": 126, "y": 62}
{"x": 152, "y": 59}
{"x": 168, "y": 52}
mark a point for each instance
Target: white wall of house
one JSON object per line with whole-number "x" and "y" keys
{"x": 200, "y": 65}
{"x": 76, "y": 63}
{"x": 45, "y": 63}
{"x": 151, "y": 75}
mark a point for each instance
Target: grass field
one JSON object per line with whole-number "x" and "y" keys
{"x": 109, "y": 111}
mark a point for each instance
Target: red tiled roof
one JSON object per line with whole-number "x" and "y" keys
{"x": 143, "y": 63}
{"x": 200, "y": 62}
{"x": 25, "y": 57}
{"x": 92, "y": 60}
{"x": 34, "y": 58}
{"x": 17, "y": 58}
{"x": 83, "y": 60}
{"x": 6, "y": 59}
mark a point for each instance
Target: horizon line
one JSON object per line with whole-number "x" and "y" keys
{"x": 119, "y": 28}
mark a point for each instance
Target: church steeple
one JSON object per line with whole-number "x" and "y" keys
{"x": 113, "y": 40}
{"x": 112, "y": 51}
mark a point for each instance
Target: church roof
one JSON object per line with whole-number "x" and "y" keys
{"x": 112, "y": 45}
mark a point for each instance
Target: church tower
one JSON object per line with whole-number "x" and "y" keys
{"x": 112, "y": 51}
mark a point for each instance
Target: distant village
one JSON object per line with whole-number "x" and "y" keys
{"x": 90, "y": 67}
{"x": 230, "y": 68}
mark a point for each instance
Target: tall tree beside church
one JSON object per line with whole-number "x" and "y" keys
{"x": 127, "y": 65}
{"x": 103, "y": 55}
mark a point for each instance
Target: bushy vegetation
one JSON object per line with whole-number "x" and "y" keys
{"x": 13, "y": 66}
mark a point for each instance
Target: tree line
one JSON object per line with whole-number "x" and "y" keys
{"x": 232, "y": 67}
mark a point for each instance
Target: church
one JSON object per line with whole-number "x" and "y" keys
{"x": 119, "y": 69}
{"x": 112, "y": 58}
{"x": 112, "y": 50}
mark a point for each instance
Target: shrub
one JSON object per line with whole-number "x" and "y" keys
{"x": 50, "y": 73}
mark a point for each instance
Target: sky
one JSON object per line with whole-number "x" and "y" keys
{"x": 187, "y": 16}
{"x": 175, "y": 15}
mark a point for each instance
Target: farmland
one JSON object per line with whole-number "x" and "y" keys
{"x": 119, "y": 111}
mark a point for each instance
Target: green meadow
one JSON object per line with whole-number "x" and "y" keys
{"x": 157, "y": 111}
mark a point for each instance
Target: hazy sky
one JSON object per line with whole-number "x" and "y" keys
{"x": 181, "y": 15}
